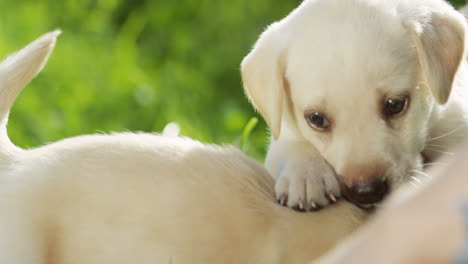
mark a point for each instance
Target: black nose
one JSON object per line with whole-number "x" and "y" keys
{"x": 366, "y": 194}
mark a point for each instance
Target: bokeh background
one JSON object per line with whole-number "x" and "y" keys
{"x": 139, "y": 64}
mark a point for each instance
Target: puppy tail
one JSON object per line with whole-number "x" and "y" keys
{"x": 16, "y": 71}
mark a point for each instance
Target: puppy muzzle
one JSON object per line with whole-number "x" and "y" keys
{"x": 366, "y": 194}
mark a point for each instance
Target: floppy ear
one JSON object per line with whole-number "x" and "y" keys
{"x": 440, "y": 44}
{"x": 263, "y": 77}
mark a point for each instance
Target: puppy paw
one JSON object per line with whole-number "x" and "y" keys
{"x": 307, "y": 185}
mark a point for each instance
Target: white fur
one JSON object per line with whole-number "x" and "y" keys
{"x": 144, "y": 198}
{"x": 341, "y": 57}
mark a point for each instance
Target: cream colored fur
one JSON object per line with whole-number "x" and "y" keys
{"x": 144, "y": 198}
{"x": 343, "y": 58}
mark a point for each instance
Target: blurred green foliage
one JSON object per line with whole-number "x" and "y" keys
{"x": 138, "y": 65}
{"x": 458, "y": 3}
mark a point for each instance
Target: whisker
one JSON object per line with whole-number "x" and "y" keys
{"x": 413, "y": 183}
{"x": 413, "y": 178}
{"x": 440, "y": 151}
{"x": 435, "y": 163}
{"x": 429, "y": 164}
{"x": 437, "y": 146}
{"x": 422, "y": 173}
{"x": 444, "y": 135}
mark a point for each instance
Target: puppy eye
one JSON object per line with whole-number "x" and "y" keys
{"x": 395, "y": 106}
{"x": 318, "y": 121}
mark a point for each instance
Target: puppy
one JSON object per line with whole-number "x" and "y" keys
{"x": 358, "y": 94}
{"x": 425, "y": 223}
{"x": 144, "y": 198}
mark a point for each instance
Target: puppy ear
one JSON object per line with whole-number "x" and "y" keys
{"x": 440, "y": 44}
{"x": 263, "y": 77}
{"x": 18, "y": 69}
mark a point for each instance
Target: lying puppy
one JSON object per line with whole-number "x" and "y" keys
{"x": 422, "y": 226}
{"x": 144, "y": 198}
{"x": 357, "y": 95}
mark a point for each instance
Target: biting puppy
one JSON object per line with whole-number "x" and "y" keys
{"x": 357, "y": 95}
{"x": 144, "y": 198}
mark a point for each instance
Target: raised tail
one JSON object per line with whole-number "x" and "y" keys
{"x": 16, "y": 71}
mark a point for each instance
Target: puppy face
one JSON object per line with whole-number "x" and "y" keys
{"x": 359, "y": 80}
{"x": 355, "y": 95}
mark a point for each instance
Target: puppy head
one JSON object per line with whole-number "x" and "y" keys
{"x": 18, "y": 69}
{"x": 358, "y": 79}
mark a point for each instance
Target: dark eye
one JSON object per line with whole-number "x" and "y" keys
{"x": 317, "y": 120}
{"x": 395, "y": 106}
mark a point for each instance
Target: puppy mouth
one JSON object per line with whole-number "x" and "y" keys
{"x": 366, "y": 195}
{"x": 370, "y": 194}
{"x": 370, "y": 208}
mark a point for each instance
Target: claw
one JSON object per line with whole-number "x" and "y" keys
{"x": 332, "y": 197}
{"x": 301, "y": 206}
{"x": 283, "y": 199}
{"x": 314, "y": 206}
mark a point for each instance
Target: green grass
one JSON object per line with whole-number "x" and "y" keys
{"x": 138, "y": 65}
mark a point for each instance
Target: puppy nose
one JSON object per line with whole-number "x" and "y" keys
{"x": 366, "y": 194}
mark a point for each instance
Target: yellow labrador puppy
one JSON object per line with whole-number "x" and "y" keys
{"x": 144, "y": 198}
{"x": 357, "y": 94}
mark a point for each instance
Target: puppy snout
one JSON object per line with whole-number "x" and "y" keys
{"x": 366, "y": 194}
{"x": 364, "y": 184}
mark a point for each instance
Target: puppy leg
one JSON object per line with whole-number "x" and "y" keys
{"x": 304, "y": 180}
